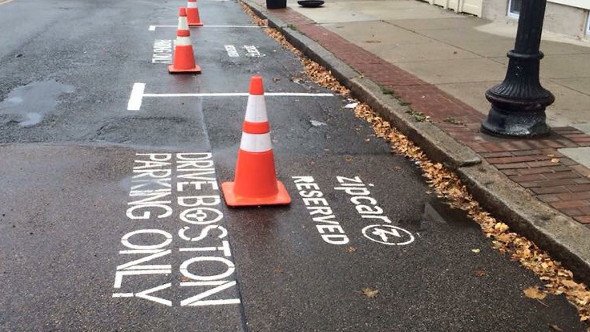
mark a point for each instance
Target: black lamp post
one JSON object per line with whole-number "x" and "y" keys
{"x": 518, "y": 103}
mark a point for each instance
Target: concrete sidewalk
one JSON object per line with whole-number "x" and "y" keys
{"x": 460, "y": 54}
{"x": 437, "y": 65}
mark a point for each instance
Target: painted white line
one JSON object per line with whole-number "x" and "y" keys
{"x": 175, "y": 95}
{"x": 153, "y": 27}
{"x": 5, "y": 2}
{"x": 233, "y": 26}
{"x": 136, "y": 97}
{"x": 236, "y": 94}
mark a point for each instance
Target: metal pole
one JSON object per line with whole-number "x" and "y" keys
{"x": 519, "y": 103}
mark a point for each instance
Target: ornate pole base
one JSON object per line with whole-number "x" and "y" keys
{"x": 519, "y": 102}
{"x": 515, "y": 124}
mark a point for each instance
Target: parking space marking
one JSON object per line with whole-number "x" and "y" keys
{"x": 161, "y": 184}
{"x": 153, "y": 27}
{"x": 232, "y": 52}
{"x": 252, "y": 51}
{"x": 162, "y": 51}
{"x": 238, "y": 94}
{"x": 137, "y": 95}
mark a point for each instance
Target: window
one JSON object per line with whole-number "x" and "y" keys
{"x": 514, "y": 8}
{"x": 588, "y": 25}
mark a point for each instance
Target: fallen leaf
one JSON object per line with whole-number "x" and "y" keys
{"x": 570, "y": 283}
{"x": 479, "y": 273}
{"x": 476, "y": 250}
{"x": 501, "y": 227}
{"x": 534, "y": 293}
{"x": 554, "y": 160}
{"x": 370, "y": 292}
{"x": 350, "y": 249}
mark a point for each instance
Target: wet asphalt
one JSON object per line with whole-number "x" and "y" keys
{"x": 86, "y": 240}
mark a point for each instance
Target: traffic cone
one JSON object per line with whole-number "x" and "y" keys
{"x": 182, "y": 19}
{"x": 255, "y": 181}
{"x": 184, "y": 57}
{"x": 192, "y": 12}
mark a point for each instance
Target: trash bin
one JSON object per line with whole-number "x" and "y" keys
{"x": 276, "y": 4}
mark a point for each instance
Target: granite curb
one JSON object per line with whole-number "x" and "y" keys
{"x": 553, "y": 231}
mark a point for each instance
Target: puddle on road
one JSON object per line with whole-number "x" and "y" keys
{"x": 436, "y": 210}
{"x": 28, "y": 105}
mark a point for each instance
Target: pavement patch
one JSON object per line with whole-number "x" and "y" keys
{"x": 128, "y": 241}
{"x": 580, "y": 154}
{"x": 28, "y": 105}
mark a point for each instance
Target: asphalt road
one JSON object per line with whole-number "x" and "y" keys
{"x": 100, "y": 227}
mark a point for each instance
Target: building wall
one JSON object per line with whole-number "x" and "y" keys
{"x": 562, "y": 19}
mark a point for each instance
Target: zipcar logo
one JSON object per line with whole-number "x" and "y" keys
{"x": 388, "y": 234}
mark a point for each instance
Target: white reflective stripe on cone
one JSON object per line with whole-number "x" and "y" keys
{"x": 191, "y": 5}
{"x": 182, "y": 23}
{"x": 255, "y": 142}
{"x": 182, "y": 41}
{"x": 256, "y": 109}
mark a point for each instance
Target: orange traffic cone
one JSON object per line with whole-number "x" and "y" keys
{"x": 184, "y": 57}
{"x": 194, "y": 20}
{"x": 255, "y": 182}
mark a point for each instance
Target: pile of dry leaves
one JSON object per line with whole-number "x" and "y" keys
{"x": 447, "y": 185}
{"x": 314, "y": 71}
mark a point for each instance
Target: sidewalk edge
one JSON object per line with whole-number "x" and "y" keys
{"x": 560, "y": 235}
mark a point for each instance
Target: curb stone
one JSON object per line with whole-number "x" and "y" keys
{"x": 563, "y": 237}
{"x": 560, "y": 235}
